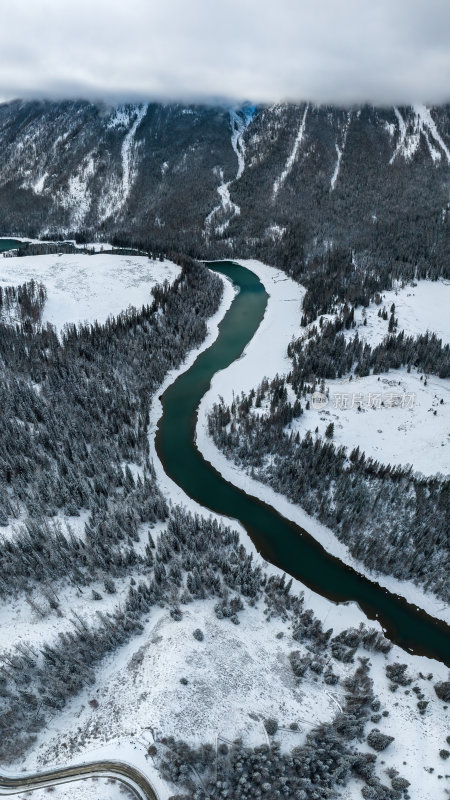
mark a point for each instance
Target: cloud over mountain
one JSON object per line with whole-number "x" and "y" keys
{"x": 352, "y": 51}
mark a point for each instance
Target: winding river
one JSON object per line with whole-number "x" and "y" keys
{"x": 280, "y": 541}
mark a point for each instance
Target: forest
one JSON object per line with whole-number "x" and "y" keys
{"x": 74, "y": 417}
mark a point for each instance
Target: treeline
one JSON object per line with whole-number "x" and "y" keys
{"x": 392, "y": 520}
{"x": 54, "y": 245}
{"x": 23, "y": 303}
{"x": 329, "y": 354}
{"x": 339, "y": 276}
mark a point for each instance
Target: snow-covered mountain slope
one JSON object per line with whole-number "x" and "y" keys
{"x": 290, "y": 161}
{"x": 221, "y": 215}
{"x": 374, "y": 180}
{"x": 420, "y": 126}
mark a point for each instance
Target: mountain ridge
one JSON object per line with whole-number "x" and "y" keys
{"x": 277, "y": 181}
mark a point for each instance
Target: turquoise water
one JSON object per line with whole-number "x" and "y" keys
{"x": 279, "y": 540}
{"x": 9, "y": 244}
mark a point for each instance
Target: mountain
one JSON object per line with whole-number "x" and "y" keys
{"x": 281, "y": 182}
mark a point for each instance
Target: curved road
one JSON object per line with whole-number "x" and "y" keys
{"x": 120, "y": 771}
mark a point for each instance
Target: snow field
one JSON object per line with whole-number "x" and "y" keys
{"x": 418, "y": 434}
{"x": 419, "y": 308}
{"x": 88, "y": 789}
{"x": 84, "y": 288}
{"x": 236, "y": 677}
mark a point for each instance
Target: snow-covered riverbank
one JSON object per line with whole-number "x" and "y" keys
{"x": 265, "y": 356}
{"x": 339, "y": 616}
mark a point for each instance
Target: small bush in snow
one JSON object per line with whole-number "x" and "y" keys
{"x": 442, "y": 690}
{"x": 397, "y": 674}
{"x": 271, "y": 726}
{"x": 379, "y": 741}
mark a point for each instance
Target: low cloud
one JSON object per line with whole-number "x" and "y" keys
{"x": 345, "y": 52}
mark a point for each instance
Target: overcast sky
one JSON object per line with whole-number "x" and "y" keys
{"x": 333, "y": 51}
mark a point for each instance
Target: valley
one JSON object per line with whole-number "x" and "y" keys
{"x": 263, "y": 316}
{"x": 201, "y": 569}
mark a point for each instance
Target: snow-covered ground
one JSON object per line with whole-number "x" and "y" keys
{"x": 291, "y": 159}
{"x": 236, "y": 677}
{"x": 84, "y": 288}
{"x": 421, "y": 307}
{"x": 33, "y": 620}
{"x": 87, "y": 789}
{"x": 414, "y": 753}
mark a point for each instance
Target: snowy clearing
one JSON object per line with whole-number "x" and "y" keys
{"x": 84, "y": 288}
{"x": 420, "y": 307}
{"x": 236, "y": 677}
{"x": 416, "y": 434}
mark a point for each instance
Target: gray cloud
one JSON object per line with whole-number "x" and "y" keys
{"x": 327, "y": 51}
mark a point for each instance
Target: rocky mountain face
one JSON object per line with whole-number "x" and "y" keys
{"x": 283, "y": 182}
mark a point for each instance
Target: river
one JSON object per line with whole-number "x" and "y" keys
{"x": 9, "y": 244}
{"x": 280, "y": 541}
